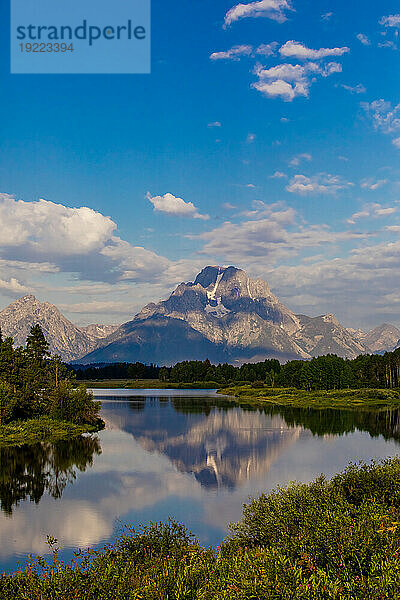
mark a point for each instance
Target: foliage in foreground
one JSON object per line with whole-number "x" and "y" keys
{"x": 326, "y": 540}
{"x": 34, "y": 384}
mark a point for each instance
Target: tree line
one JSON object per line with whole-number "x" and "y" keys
{"x": 329, "y": 372}
{"x": 33, "y": 384}
{"x": 115, "y": 371}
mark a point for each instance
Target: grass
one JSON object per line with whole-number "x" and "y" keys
{"x": 328, "y": 540}
{"x": 43, "y": 429}
{"x": 141, "y": 384}
{"x": 339, "y": 399}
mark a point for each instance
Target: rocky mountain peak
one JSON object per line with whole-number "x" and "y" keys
{"x": 330, "y": 319}
{"x": 28, "y": 299}
{"x": 64, "y": 338}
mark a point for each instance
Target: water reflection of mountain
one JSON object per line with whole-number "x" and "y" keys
{"x": 221, "y": 448}
{"x": 31, "y": 470}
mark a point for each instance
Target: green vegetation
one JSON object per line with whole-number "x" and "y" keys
{"x": 37, "y": 395}
{"x": 365, "y": 399}
{"x": 151, "y": 384}
{"x": 329, "y": 540}
{"x": 328, "y": 372}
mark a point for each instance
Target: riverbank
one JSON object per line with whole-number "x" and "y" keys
{"x": 149, "y": 384}
{"x": 328, "y": 540}
{"x": 339, "y": 399}
{"x": 43, "y": 429}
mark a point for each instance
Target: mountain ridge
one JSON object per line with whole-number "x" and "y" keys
{"x": 64, "y": 338}
{"x": 242, "y": 318}
{"x": 223, "y": 315}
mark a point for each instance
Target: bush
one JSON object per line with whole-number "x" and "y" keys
{"x": 336, "y": 540}
{"x": 74, "y": 405}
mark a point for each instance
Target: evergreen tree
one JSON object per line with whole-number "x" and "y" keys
{"x": 36, "y": 344}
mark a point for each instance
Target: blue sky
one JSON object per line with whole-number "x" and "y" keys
{"x": 267, "y": 136}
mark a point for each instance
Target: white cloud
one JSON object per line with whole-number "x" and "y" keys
{"x": 323, "y": 183}
{"x": 77, "y": 240}
{"x": 327, "y": 16}
{"x": 214, "y": 124}
{"x": 272, "y": 9}
{"x": 390, "y": 21}
{"x": 278, "y": 175}
{"x": 172, "y": 205}
{"x": 363, "y": 39}
{"x": 233, "y": 54}
{"x": 290, "y": 81}
{"x": 296, "y": 160}
{"x": 384, "y": 117}
{"x": 372, "y": 211}
{"x": 373, "y": 184}
{"x": 52, "y": 229}
{"x": 250, "y": 138}
{"x": 388, "y": 44}
{"x": 294, "y": 49}
{"x": 13, "y": 287}
{"x": 267, "y": 49}
{"x": 273, "y": 233}
{"x": 355, "y": 89}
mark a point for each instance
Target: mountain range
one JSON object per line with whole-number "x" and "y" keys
{"x": 223, "y": 315}
{"x": 64, "y": 338}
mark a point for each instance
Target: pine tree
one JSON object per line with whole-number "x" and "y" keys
{"x": 36, "y": 344}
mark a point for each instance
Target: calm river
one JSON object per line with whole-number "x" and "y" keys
{"x": 186, "y": 454}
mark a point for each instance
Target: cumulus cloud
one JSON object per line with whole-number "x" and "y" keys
{"x": 52, "y": 229}
{"x": 390, "y": 21}
{"x": 13, "y": 287}
{"x": 75, "y": 240}
{"x": 172, "y": 205}
{"x": 396, "y": 142}
{"x": 294, "y": 49}
{"x": 363, "y": 39}
{"x": 323, "y": 183}
{"x": 214, "y": 124}
{"x": 233, "y": 54}
{"x": 327, "y": 16}
{"x": 272, "y": 9}
{"x": 290, "y": 81}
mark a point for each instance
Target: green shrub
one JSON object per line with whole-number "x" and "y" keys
{"x": 74, "y": 405}
{"x": 337, "y": 540}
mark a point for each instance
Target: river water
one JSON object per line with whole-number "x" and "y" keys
{"x": 188, "y": 454}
